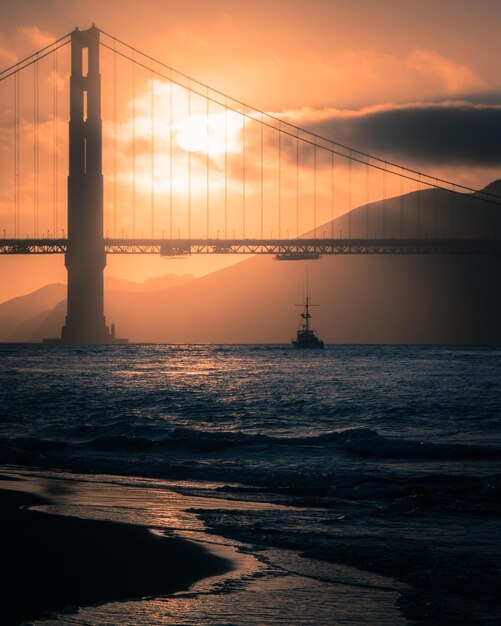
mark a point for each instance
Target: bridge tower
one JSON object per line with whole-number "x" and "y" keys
{"x": 85, "y": 257}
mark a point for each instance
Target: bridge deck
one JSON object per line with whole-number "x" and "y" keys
{"x": 285, "y": 249}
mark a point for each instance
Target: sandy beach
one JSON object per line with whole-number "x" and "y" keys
{"x": 52, "y": 562}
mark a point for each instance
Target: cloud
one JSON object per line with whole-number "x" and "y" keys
{"x": 21, "y": 42}
{"x": 7, "y": 56}
{"x": 444, "y": 133}
{"x": 33, "y": 37}
{"x": 359, "y": 76}
{"x": 455, "y": 77}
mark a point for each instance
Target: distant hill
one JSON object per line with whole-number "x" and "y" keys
{"x": 25, "y": 318}
{"x": 429, "y": 213}
{"x": 363, "y": 299}
{"x": 152, "y": 284}
{"x": 29, "y": 310}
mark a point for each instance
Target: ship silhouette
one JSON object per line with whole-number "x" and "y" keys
{"x": 306, "y": 337}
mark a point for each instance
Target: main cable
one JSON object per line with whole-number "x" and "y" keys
{"x": 38, "y": 58}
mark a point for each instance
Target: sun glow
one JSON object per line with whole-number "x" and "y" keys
{"x": 193, "y": 133}
{"x": 213, "y": 134}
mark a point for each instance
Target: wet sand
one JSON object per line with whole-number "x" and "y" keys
{"x": 51, "y": 562}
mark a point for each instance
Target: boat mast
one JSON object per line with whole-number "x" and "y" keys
{"x": 306, "y": 315}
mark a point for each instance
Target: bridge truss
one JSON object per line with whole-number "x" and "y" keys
{"x": 283, "y": 249}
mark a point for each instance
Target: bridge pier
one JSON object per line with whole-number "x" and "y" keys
{"x": 85, "y": 257}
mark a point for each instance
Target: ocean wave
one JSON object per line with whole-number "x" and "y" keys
{"x": 362, "y": 442}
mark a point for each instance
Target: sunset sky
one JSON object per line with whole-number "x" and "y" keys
{"x": 415, "y": 83}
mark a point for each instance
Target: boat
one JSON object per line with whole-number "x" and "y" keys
{"x": 306, "y": 337}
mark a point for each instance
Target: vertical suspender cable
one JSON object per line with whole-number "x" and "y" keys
{"x": 56, "y": 147}
{"x": 34, "y": 153}
{"x": 279, "y": 181}
{"x": 401, "y": 217}
{"x": 16, "y": 149}
{"x": 451, "y": 210}
{"x": 418, "y": 208}
{"x": 54, "y": 183}
{"x": 189, "y": 165}
{"x": 18, "y": 158}
{"x": 349, "y": 195}
{"x": 367, "y": 196}
{"x": 243, "y": 173}
{"x": 152, "y": 156}
{"x": 486, "y": 221}
{"x": 207, "y": 160}
{"x": 225, "y": 169}
{"x": 435, "y": 207}
{"x": 332, "y": 195}
{"x": 133, "y": 146}
{"x": 170, "y": 159}
{"x": 297, "y": 183}
{"x": 315, "y": 189}
{"x": 114, "y": 141}
{"x": 468, "y": 216}
{"x": 384, "y": 201}
{"x": 13, "y": 154}
{"x": 35, "y": 149}
{"x": 262, "y": 176}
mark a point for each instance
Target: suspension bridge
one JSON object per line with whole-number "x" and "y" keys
{"x": 189, "y": 165}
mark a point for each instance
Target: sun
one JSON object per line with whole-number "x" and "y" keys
{"x": 193, "y": 134}
{"x": 213, "y": 134}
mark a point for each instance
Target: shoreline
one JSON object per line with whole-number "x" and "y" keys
{"x": 54, "y": 562}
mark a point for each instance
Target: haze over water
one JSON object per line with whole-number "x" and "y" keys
{"x": 379, "y": 464}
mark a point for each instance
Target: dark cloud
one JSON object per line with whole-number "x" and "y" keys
{"x": 453, "y": 134}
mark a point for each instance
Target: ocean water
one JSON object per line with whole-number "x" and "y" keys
{"x": 354, "y": 485}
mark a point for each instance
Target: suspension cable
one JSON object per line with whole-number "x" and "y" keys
{"x": 37, "y": 54}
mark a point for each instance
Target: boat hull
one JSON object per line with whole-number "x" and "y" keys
{"x": 301, "y": 345}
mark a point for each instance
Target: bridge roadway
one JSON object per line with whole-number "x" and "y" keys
{"x": 283, "y": 249}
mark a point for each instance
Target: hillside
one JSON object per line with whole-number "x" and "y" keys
{"x": 24, "y": 318}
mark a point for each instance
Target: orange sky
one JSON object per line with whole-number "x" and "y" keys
{"x": 346, "y": 70}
